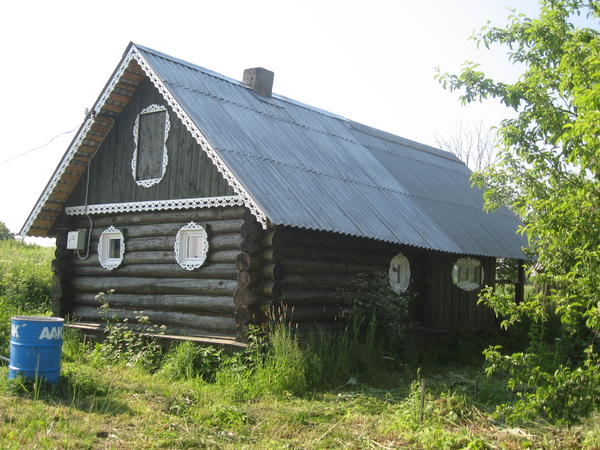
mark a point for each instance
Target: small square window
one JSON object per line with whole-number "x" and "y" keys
{"x": 111, "y": 248}
{"x": 191, "y": 246}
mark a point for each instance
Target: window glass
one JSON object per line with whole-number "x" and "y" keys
{"x": 111, "y": 248}
{"x": 399, "y": 273}
{"x": 191, "y": 246}
{"x": 467, "y": 274}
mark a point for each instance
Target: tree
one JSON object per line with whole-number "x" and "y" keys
{"x": 549, "y": 174}
{"x": 5, "y": 233}
{"x": 474, "y": 144}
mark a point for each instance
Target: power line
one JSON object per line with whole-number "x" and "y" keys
{"x": 42, "y": 146}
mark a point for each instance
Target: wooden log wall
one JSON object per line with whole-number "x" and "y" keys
{"x": 450, "y": 306}
{"x": 149, "y": 282}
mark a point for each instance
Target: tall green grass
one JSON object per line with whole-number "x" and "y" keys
{"x": 25, "y": 284}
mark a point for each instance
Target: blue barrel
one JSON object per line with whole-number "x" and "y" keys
{"x": 36, "y": 348}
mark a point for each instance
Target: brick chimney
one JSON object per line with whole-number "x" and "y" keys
{"x": 260, "y": 80}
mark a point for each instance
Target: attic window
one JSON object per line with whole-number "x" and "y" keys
{"x": 399, "y": 273}
{"x": 150, "y": 133}
{"x": 191, "y": 246}
{"x": 111, "y": 248}
{"x": 467, "y": 274}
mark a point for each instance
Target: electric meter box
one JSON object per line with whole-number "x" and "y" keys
{"x": 76, "y": 240}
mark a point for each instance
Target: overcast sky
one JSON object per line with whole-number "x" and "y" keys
{"x": 370, "y": 61}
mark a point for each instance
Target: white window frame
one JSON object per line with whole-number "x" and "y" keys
{"x": 181, "y": 246}
{"x": 151, "y": 181}
{"x": 467, "y": 274}
{"x": 107, "y": 260}
{"x": 399, "y": 273}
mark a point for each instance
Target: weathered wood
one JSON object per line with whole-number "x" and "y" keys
{"x": 154, "y": 285}
{"x": 321, "y": 282}
{"x": 245, "y": 261}
{"x": 219, "y": 324}
{"x": 269, "y": 272}
{"x": 214, "y": 228}
{"x": 60, "y": 265}
{"x": 322, "y": 267}
{"x": 345, "y": 255}
{"x": 251, "y": 230}
{"x": 244, "y": 296}
{"x": 248, "y": 216}
{"x": 272, "y": 272}
{"x": 222, "y": 305}
{"x": 248, "y": 279}
{"x": 158, "y": 257}
{"x": 271, "y": 289}
{"x": 251, "y": 246}
{"x": 174, "y": 270}
{"x": 288, "y": 237}
{"x": 241, "y": 333}
{"x": 317, "y": 297}
{"x": 167, "y": 243}
{"x": 272, "y": 255}
{"x": 245, "y": 315}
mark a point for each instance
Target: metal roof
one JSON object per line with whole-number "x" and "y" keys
{"x": 307, "y": 168}
{"x": 311, "y": 169}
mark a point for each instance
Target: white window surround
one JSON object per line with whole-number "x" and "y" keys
{"x": 399, "y": 273}
{"x": 467, "y": 274}
{"x": 111, "y": 248}
{"x": 165, "y": 157}
{"x": 191, "y": 246}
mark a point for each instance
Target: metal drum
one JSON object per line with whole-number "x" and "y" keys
{"x": 36, "y": 348}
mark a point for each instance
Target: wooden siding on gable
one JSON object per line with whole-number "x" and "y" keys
{"x": 190, "y": 173}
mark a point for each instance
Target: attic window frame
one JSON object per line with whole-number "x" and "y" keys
{"x": 467, "y": 274}
{"x": 399, "y": 273}
{"x": 105, "y": 245}
{"x": 182, "y": 248}
{"x": 151, "y": 109}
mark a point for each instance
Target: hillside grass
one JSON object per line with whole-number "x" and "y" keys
{"x": 324, "y": 392}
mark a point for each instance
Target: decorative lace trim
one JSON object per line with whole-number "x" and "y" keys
{"x": 181, "y": 114}
{"x": 190, "y": 264}
{"x": 159, "y": 205}
{"x": 200, "y": 138}
{"x": 165, "y": 160}
{"x": 469, "y": 285}
{"x": 58, "y": 173}
{"x": 105, "y": 261}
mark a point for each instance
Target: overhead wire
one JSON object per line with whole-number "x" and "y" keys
{"x": 42, "y": 146}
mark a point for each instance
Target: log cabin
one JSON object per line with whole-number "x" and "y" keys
{"x": 203, "y": 201}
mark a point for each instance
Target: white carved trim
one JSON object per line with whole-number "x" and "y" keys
{"x": 106, "y": 262}
{"x": 181, "y": 114}
{"x": 468, "y": 285}
{"x": 58, "y": 173}
{"x": 158, "y": 205}
{"x": 401, "y": 261}
{"x": 186, "y": 264}
{"x": 200, "y": 138}
{"x": 165, "y": 160}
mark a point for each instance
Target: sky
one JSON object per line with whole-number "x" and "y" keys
{"x": 369, "y": 61}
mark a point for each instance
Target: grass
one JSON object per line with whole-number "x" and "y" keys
{"x": 319, "y": 393}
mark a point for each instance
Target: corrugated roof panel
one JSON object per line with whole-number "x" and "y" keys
{"x": 311, "y": 169}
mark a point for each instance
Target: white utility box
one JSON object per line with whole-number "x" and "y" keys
{"x": 76, "y": 240}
